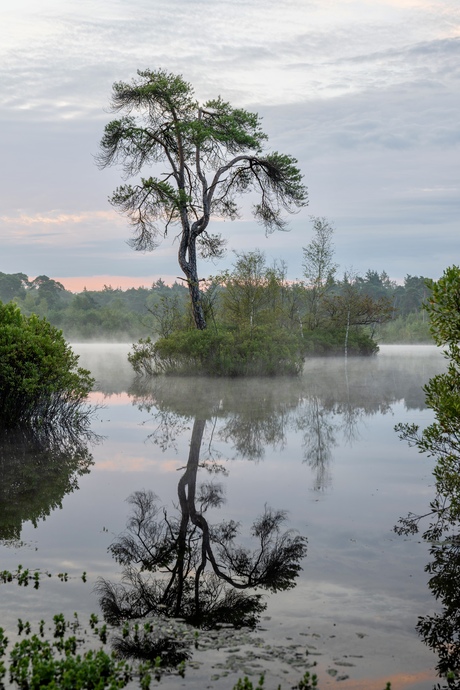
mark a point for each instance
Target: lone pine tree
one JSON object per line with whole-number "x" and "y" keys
{"x": 211, "y": 153}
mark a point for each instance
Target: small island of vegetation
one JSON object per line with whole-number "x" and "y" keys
{"x": 244, "y": 306}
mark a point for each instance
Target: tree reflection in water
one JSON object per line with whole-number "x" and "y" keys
{"x": 319, "y": 429}
{"x": 38, "y": 468}
{"x": 253, "y": 415}
{"x": 181, "y": 566}
{"x": 178, "y": 564}
{"x": 441, "y": 631}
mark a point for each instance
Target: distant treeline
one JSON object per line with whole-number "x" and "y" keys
{"x": 115, "y": 314}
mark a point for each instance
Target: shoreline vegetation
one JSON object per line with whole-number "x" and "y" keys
{"x": 439, "y": 525}
{"x": 41, "y": 384}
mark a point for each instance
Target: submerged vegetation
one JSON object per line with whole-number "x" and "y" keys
{"x": 40, "y": 381}
{"x": 69, "y": 655}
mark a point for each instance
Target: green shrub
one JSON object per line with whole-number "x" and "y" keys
{"x": 40, "y": 381}
{"x": 142, "y": 357}
{"x": 410, "y": 329}
{"x": 260, "y": 351}
{"x": 332, "y": 342}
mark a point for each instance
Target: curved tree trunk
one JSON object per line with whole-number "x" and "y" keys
{"x": 187, "y": 262}
{"x": 186, "y": 491}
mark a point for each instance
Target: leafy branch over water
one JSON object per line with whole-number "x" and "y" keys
{"x": 441, "y": 440}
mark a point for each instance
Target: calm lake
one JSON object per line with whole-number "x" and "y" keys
{"x": 321, "y": 447}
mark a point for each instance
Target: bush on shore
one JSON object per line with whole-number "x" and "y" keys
{"x": 411, "y": 329}
{"x": 40, "y": 381}
{"x": 325, "y": 342}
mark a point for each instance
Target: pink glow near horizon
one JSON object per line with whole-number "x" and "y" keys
{"x": 79, "y": 283}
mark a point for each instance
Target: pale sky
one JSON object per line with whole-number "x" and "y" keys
{"x": 365, "y": 94}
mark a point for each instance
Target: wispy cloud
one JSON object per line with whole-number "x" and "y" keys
{"x": 59, "y": 218}
{"x": 365, "y": 93}
{"x": 62, "y": 229}
{"x": 64, "y": 57}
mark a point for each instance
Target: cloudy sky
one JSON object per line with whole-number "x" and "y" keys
{"x": 365, "y": 93}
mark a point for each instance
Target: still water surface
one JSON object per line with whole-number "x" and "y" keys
{"x": 321, "y": 447}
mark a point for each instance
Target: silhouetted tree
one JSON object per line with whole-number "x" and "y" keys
{"x": 213, "y": 154}
{"x": 182, "y": 566}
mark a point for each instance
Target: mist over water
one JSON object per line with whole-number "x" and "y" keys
{"x": 321, "y": 447}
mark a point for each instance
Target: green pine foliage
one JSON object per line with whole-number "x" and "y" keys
{"x": 208, "y": 155}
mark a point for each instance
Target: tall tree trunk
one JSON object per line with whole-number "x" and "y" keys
{"x": 347, "y": 332}
{"x": 186, "y": 492}
{"x": 187, "y": 262}
{"x": 197, "y": 304}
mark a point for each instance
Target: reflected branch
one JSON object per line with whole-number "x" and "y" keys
{"x": 181, "y": 566}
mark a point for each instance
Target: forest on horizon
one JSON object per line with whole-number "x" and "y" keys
{"x": 125, "y": 315}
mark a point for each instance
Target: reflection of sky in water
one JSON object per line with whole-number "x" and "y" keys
{"x": 359, "y": 577}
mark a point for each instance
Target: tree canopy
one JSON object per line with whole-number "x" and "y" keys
{"x": 212, "y": 154}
